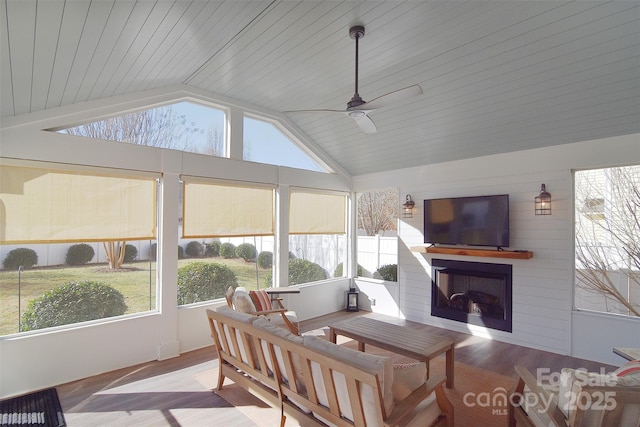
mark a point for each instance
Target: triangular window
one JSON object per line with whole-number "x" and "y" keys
{"x": 265, "y": 143}
{"x": 184, "y": 126}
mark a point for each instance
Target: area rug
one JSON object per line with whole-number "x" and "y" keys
{"x": 479, "y": 397}
{"x": 41, "y": 408}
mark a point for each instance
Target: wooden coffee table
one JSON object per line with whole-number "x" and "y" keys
{"x": 397, "y": 339}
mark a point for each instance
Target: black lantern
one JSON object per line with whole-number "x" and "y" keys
{"x": 543, "y": 202}
{"x": 407, "y": 207}
{"x": 352, "y": 299}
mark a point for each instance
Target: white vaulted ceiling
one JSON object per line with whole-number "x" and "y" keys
{"x": 497, "y": 76}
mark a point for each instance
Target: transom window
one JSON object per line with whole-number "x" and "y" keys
{"x": 184, "y": 126}
{"x": 264, "y": 142}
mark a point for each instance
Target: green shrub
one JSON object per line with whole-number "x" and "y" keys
{"x": 388, "y": 272}
{"x": 203, "y": 281}
{"x": 303, "y": 271}
{"x": 194, "y": 249}
{"x": 300, "y": 271}
{"x": 24, "y": 257}
{"x": 339, "y": 272}
{"x": 212, "y": 249}
{"x": 79, "y": 254}
{"x": 180, "y": 252}
{"x": 246, "y": 251}
{"x": 71, "y": 303}
{"x": 265, "y": 259}
{"x": 228, "y": 250}
{"x": 130, "y": 253}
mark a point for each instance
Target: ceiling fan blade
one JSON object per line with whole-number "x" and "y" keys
{"x": 392, "y": 98}
{"x": 365, "y": 123}
{"x": 314, "y": 111}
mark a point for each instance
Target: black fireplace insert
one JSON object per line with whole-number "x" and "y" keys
{"x": 472, "y": 292}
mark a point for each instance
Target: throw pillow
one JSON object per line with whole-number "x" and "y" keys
{"x": 242, "y": 302}
{"x": 406, "y": 378}
{"x": 261, "y": 300}
{"x": 629, "y": 374}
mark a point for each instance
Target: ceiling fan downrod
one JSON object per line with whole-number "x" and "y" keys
{"x": 356, "y": 33}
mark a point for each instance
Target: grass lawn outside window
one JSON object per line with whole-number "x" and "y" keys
{"x": 136, "y": 281}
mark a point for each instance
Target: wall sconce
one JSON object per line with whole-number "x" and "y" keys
{"x": 543, "y": 202}
{"x": 407, "y": 207}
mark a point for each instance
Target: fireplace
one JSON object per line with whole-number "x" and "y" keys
{"x": 477, "y": 293}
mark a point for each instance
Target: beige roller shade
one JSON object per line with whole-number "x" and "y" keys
{"x": 226, "y": 209}
{"x": 47, "y": 206}
{"x": 317, "y": 213}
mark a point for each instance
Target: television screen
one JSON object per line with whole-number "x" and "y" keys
{"x": 473, "y": 221}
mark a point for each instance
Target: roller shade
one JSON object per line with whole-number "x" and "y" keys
{"x": 53, "y": 206}
{"x": 226, "y": 209}
{"x": 317, "y": 213}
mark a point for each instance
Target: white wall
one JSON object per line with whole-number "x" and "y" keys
{"x": 543, "y": 285}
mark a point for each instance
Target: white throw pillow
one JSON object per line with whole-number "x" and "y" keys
{"x": 242, "y": 301}
{"x": 406, "y": 378}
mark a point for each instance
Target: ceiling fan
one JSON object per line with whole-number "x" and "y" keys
{"x": 357, "y": 108}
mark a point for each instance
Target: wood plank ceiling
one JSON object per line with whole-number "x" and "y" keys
{"x": 497, "y": 76}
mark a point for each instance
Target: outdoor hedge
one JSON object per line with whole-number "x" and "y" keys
{"x": 194, "y": 249}
{"x": 130, "y": 253}
{"x": 246, "y": 251}
{"x": 388, "y": 272}
{"x": 265, "y": 259}
{"x": 300, "y": 271}
{"x": 212, "y": 249}
{"x": 24, "y": 257}
{"x": 203, "y": 281}
{"x": 339, "y": 271}
{"x": 71, "y": 303}
{"x": 228, "y": 250}
{"x": 79, "y": 254}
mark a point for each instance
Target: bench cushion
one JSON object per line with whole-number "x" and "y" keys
{"x": 268, "y": 326}
{"x": 378, "y": 365}
{"x": 241, "y": 317}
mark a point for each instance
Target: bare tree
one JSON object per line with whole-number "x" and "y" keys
{"x": 158, "y": 127}
{"x": 608, "y": 236}
{"x": 378, "y": 211}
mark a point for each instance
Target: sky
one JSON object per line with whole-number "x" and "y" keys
{"x": 266, "y": 143}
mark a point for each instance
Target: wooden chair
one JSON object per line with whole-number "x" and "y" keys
{"x": 592, "y": 400}
{"x": 259, "y": 303}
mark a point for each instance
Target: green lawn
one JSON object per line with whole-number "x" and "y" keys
{"x": 136, "y": 282}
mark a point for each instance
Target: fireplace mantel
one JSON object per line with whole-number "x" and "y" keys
{"x": 473, "y": 252}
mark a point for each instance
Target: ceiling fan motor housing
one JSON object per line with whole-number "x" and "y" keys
{"x": 356, "y": 32}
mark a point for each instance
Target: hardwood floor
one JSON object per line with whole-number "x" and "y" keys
{"x": 167, "y": 393}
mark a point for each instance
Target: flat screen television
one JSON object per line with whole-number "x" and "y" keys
{"x": 473, "y": 221}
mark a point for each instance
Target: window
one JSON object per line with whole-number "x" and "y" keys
{"x": 184, "y": 126}
{"x": 266, "y": 143}
{"x": 229, "y": 227}
{"x": 317, "y": 231}
{"x": 65, "y": 233}
{"x": 378, "y": 234}
{"x": 607, "y": 246}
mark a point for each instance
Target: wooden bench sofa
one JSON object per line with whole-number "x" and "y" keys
{"x": 322, "y": 383}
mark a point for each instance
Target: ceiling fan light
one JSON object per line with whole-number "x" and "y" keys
{"x": 356, "y": 114}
